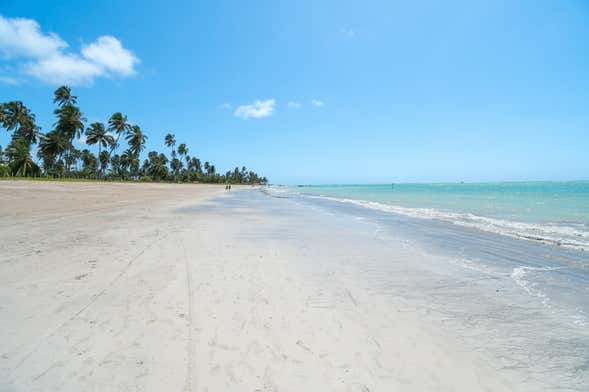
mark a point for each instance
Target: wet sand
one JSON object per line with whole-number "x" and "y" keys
{"x": 152, "y": 287}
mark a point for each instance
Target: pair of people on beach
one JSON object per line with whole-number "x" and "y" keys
{"x": 227, "y": 187}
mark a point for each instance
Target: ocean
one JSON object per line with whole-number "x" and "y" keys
{"x": 505, "y": 265}
{"x": 553, "y": 212}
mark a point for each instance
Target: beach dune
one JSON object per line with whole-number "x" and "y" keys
{"x": 162, "y": 287}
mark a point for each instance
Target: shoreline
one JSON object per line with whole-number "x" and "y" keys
{"x": 567, "y": 234}
{"x": 159, "y": 287}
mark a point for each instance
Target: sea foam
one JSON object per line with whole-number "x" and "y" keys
{"x": 571, "y": 235}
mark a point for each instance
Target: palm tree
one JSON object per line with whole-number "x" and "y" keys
{"x": 97, "y": 134}
{"x": 63, "y": 97}
{"x": 57, "y": 152}
{"x": 182, "y": 150}
{"x": 13, "y": 115}
{"x": 103, "y": 159}
{"x": 70, "y": 123}
{"x": 194, "y": 165}
{"x": 51, "y": 148}
{"x": 136, "y": 139}
{"x": 170, "y": 141}
{"x": 155, "y": 165}
{"x": 115, "y": 165}
{"x": 119, "y": 125}
{"x": 16, "y": 117}
{"x": 89, "y": 162}
{"x": 4, "y": 171}
{"x": 75, "y": 156}
{"x": 20, "y": 158}
{"x": 127, "y": 161}
{"x": 134, "y": 166}
{"x": 176, "y": 166}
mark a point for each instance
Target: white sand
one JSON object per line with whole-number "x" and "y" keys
{"x": 108, "y": 287}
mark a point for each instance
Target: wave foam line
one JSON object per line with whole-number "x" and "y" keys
{"x": 552, "y": 234}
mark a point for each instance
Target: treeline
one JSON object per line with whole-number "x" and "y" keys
{"x": 59, "y": 158}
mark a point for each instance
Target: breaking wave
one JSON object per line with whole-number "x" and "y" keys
{"x": 569, "y": 235}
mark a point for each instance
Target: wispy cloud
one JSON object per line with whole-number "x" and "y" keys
{"x": 294, "y": 105}
{"x": 8, "y": 80}
{"x": 257, "y": 109}
{"x": 317, "y": 103}
{"x": 348, "y": 32}
{"x": 225, "y": 105}
{"x": 45, "y": 56}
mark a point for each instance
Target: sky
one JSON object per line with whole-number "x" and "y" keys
{"x": 315, "y": 92}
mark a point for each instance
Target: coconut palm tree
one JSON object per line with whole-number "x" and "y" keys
{"x": 63, "y": 97}
{"x": 74, "y": 158}
{"x": 103, "y": 159}
{"x": 21, "y": 162}
{"x": 89, "y": 162}
{"x": 13, "y": 115}
{"x": 58, "y": 154}
{"x": 4, "y": 171}
{"x": 118, "y": 124}
{"x": 170, "y": 141}
{"x": 195, "y": 165}
{"x": 182, "y": 150}
{"x": 176, "y": 166}
{"x": 134, "y": 166}
{"x": 96, "y": 133}
{"x": 136, "y": 139}
{"x": 70, "y": 123}
{"x": 16, "y": 117}
{"x": 155, "y": 165}
{"x": 127, "y": 161}
{"x": 52, "y": 146}
{"x": 115, "y": 165}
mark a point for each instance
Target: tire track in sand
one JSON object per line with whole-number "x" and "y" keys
{"x": 189, "y": 344}
{"x": 91, "y": 302}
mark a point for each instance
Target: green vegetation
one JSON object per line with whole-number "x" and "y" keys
{"x": 59, "y": 159}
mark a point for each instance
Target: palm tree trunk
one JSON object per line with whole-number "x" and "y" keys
{"x": 98, "y": 162}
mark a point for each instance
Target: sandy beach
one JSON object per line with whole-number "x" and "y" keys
{"x": 163, "y": 287}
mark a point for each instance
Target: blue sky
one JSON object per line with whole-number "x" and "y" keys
{"x": 379, "y": 91}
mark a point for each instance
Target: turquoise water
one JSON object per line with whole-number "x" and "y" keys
{"x": 555, "y": 212}
{"x": 524, "y": 201}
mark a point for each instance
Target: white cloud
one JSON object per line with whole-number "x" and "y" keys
{"x": 21, "y": 37}
{"x": 350, "y": 33}
{"x": 108, "y": 52}
{"x": 46, "y": 57}
{"x": 258, "y": 109}
{"x": 294, "y": 105}
{"x": 64, "y": 69}
{"x": 317, "y": 103}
